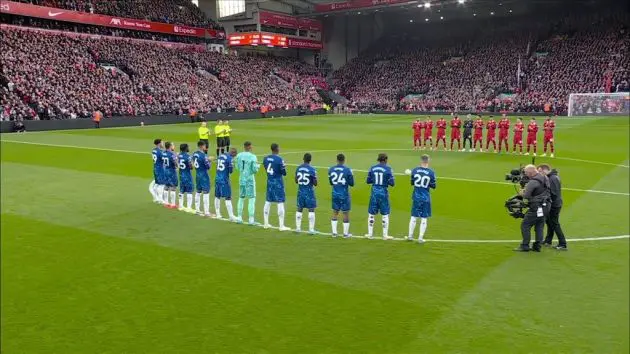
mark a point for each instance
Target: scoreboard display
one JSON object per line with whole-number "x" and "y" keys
{"x": 254, "y": 39}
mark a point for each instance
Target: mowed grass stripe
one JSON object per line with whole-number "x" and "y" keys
{"x": 318, "y": 167}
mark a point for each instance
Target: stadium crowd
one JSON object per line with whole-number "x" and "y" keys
{"x": 181, "y": 12}
{"x": 478, "y": 68}
{"x": 47, "y": 76}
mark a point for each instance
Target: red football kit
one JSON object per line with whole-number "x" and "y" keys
{"x": 478, "y": 136}
{"x": 428, "y": 130}
{"x": 456, "y": 125}
{"x": 491, "y": 126}
{"x": 532, "y": 130}
{"x": 441, "y": 133}
{"x": 518, "y": 136}
{"x": 417, "y": 133}
{"x": 504, "y": 131}
{"x": 549, "y": 127}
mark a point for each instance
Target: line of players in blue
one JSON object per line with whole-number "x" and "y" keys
{"x": 166, "y": 164}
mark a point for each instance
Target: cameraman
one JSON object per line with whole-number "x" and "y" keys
{"x": 537, "y": 193}
{"x": 553, "y": 222}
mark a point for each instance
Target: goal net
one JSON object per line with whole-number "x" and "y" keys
{"x": 599, "y": 104}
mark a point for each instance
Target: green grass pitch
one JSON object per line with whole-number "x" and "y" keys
{"x": 91, "y": 265}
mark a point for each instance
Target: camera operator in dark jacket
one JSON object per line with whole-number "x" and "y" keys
{"x": 553, "y": 219}
{"x": 537, "y": 193}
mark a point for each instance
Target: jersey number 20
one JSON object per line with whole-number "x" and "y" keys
{"x": 421, "y": 181}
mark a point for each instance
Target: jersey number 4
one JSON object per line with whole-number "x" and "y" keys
{"x": 338, "y": 178}
{"x": 421, "y": 181}
{"x": 270, "y": 169}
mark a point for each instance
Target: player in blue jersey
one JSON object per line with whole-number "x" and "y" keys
{"x": 422, "y": 180}
{"x": 222, "y": 185}
{"x": 306, "y": 179}
{"x": 340, "y": 178}
{"x": 381, "y": 177}
{"x": 156, "y": 187}
{"x": 276, "y": 170}
{"x": 170, "y": 174}
{"x": 185, "y": 179}
{"x": 202, "y": 164}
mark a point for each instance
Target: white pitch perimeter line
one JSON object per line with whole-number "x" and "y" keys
{"x": 320, "y": 234}
{"x": 318, "y": 167}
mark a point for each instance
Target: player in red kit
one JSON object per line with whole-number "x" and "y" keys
{"x": 504, "y": 131}
{"x": 441, "y": 133}
{"x": 491, "y": 134}
{"x": 548, "y": 127}
{"x": 532, "y": 131}
{"x": 518, "y": 135}
{"x": 478, "y": 136}
{"x": 428, "y": 133}
{"x": 456, "y": 134}
{"x": 417, "y": 134}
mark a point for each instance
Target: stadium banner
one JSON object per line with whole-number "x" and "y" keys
{"x": 358, "y": 4}
{"x": 177, "y": 45}
{"x": 51, "y": 13}
{"x": 271, "y": 40}
{"x": 287, "y": 21}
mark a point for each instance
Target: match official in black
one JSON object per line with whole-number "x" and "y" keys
{"x": 468, "y": 125}
{"x": 553, "y": 219}
{"x": 537, "y": 193}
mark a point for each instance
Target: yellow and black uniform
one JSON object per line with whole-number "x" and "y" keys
{"x": 226, "y": 139}
{"x": 204, "y": 135}
{"x": 218, "y": 131}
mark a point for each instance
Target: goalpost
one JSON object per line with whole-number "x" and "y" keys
{"x": 599, "y": 104}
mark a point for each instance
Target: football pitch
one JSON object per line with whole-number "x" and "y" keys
{"x": 91, "y": 265}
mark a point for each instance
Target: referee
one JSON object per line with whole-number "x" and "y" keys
{"x": 226, "y": 138}
{"x": 204, "y": 133}
{"x": 220, "y": 134}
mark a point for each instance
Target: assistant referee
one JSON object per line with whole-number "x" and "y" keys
{"x": 204, "y": 133}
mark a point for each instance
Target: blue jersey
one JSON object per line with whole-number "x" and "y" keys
{"x": 380, "y": 177}
{"x": 276, "y": 170}
{"x": 169, "y": 160}
{"x": 158, "y": 165}
{"x": 341, "y": 179}
{"x": 185, "y": 172}
{"x": 225, "y": 167}
{"x": 422, "y": 180}
{"x": 202, "y": 165}
{"x": 306, "y": 179}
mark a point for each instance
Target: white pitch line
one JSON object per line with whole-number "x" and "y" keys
{"x": 319, "y": 167}
{"x": 320, "y": 234}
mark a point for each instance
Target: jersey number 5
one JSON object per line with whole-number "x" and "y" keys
{"x": 182, "y": 165}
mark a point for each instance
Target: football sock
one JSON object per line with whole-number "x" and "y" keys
{"x": 423, "y": 227}
{"x": 333, "y": 224}
{"x": 198, "y": 202}
{"x": 412, "y": 226}
{"x": 239, "y": 207}
{"x": 189, "y": 200}
{"x": 152, "y": 190}
{"x": 230, "y": 210}
{"x": 311, "y": 221}
{"x": 164, "y": 195}
{"x": 181, "y": 201}
{"x": 370, "y": 225}
{"x": 281, "y": 214}
{"x": 206, "y": 203}
{"x": 251, "y": 209}
{"x": 298, "y": 220}
{"x": 385, "y": 225}
{"x": 266, "y": 210}
{"x": 173, "y": 197}
{"x": 346, "y": 228}
{"x": 217, "y": 207}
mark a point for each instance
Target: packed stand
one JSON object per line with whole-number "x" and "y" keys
{"x": 59, "y": 76}
{"x": 181, "y": 12}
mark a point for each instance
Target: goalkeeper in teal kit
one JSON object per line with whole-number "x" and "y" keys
{"x": 247, "y": 165}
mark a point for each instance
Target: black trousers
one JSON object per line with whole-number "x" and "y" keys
{"x": 530, "y": 220}
{"x": 553, "y": 226}
{"x": 467, "y": 138}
